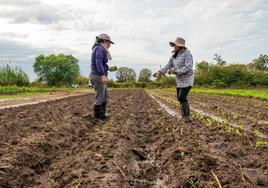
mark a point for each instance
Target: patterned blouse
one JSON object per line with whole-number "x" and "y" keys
{"x": 183, "y": 65}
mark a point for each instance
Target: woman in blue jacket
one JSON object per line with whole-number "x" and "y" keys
{"x": 99, "y": 72}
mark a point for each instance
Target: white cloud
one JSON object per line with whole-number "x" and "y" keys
{"x": 236, "y": 29}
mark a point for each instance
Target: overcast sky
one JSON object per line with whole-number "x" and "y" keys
{"x": 236, "y": 29}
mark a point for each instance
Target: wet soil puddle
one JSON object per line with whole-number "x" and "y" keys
{"x": 166, "y": 108}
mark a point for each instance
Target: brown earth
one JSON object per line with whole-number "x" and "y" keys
{"x": 248, "y": 112}
{"x": 58, "y": 144}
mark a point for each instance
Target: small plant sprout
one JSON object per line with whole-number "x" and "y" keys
{"x": 182, "y": 154}
{"x": 192, "y": 183}
{"x": 209, "y": 123}
{"x": 234, "y": 115}
{"x": 167, "y": 129}
{"x": 257, "y": 133}
{"x": 261, "y": 143}
{"x": 238, "y": 132}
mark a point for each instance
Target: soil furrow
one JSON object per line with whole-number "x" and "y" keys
{"x": 58, "y": 144}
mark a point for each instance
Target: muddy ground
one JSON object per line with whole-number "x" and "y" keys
{"x": 58, "y": 144}
{"x": 248, "y": 112}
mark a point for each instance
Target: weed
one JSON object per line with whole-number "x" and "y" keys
{"x": 182, "y": 154}
{"x": 261, "y": 143}
{"x": 257, "y": 133}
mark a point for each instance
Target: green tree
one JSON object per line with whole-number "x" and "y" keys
{"x": 261, "y": 63}
{"x": 219, "y": 60}
{"x": 202, "y": 74}
{"x": 124, "y": 74}
{"x": 56, "y": 70}
{"x": 145, "y": 75}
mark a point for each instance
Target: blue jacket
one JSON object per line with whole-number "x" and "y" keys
{"x": 99, "y": 60}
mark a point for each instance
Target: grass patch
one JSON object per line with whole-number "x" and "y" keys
{"x": 20, "y": 95}
{"x": 14, "y": 90}
{"x": 241, "y": 92}
{"x": 257, "y": 93}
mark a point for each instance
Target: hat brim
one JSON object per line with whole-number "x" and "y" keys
{"x": 97, "y": 37}
{"x": 173, "y": 44}
{"x": 109, "y": 41}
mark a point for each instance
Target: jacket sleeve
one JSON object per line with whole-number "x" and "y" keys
{"x": 188, "y": 64}
{"x": 99, "y": 59}
{"x": 169, "y": 65}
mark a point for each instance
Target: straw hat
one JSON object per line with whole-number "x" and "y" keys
{"x": 178, "y": 42}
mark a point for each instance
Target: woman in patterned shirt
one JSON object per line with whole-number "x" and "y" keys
{"x": 181, "y": 64}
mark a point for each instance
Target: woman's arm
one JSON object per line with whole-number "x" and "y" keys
{"x": 169, "y": 65}
{"x": 99, "y": 58}
{"x": 188, "y": 64}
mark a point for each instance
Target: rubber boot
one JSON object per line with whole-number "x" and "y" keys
{"x": 185, "y": 108}
{"x": 98, "y": 112}
{"x": 104, "y": 115}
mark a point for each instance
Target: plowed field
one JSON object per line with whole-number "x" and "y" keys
{"x": 58, "y": 144}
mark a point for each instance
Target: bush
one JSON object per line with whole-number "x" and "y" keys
{"x": 81, "y": 80}
{"x": 166, "y": 81}
{"x": 258, "y": 78}
{"x": 140, "y": 84}
{"x": 38, "y": 83}
{"x": 229, "y": 75}
{"x": 13, "y": 76}
{"x": 112, "y": 84}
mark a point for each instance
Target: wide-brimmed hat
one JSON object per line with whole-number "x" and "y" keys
{"x": 105, "y": 37}
{"x": 180, "y": 42}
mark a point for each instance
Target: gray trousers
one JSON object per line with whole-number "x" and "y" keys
{"x": 101, "y": 90}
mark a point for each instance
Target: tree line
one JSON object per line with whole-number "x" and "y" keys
{"x": 63, "y": 70}
{"x": 222, "y": 74}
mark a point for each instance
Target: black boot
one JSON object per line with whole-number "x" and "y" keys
{"x": 98, "y": 112}
{"x": 105, "y": 116}
{"x": 185, "y": 109}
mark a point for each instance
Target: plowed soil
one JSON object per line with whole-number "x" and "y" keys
{"x": 58, "y": 144}
{"x": 248, "y": 112}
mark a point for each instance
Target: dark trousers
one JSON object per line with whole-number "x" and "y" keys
{"x": 182, "y": 94}
{"x": 101, "y": 91}
{"x": 101, "y": 96}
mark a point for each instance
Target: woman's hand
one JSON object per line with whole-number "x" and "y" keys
{"x": 172, "y": 71}
{"x": 157, "y": 74}
{"x": 104, "y": 79}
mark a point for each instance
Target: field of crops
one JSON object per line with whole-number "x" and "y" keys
{"x": 58, "y": 144}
